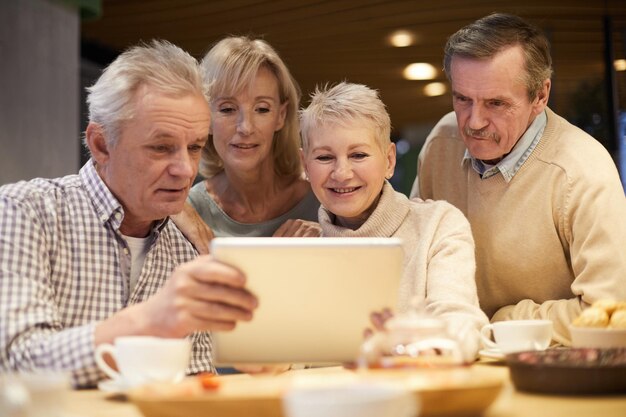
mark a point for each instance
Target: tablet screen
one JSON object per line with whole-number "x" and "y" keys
{"x": 315, "y": 296}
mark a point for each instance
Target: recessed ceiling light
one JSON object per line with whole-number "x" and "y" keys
{"x": 420, "y": 71}
{"x": 435, "y": 89}
{"x": 620, "y": 64}
{"x": 402, "y": 38}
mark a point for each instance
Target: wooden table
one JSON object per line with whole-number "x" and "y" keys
{"x": 510, "y": 403}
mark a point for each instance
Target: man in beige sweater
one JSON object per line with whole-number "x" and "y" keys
{"x": 544, "y": 199}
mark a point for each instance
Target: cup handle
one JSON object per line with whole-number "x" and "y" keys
{"x": 100, "y": 351}
{"x": 485, "y": 337}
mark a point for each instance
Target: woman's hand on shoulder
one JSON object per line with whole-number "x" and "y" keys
{"x": 298, "y": 228}
{"x": 194, "y": 228}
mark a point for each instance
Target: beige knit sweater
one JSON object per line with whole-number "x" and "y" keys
{"x": 550, "y": 241}
{"x": 439, "y": 261}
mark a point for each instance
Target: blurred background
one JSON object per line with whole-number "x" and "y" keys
{"x": 51, "y": 50}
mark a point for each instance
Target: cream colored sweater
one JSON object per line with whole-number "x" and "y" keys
{"x": 549, "y": 242}
{"x": 439, "y": 261}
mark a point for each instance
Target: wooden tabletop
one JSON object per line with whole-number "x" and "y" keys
{"x": 509, "y": 403}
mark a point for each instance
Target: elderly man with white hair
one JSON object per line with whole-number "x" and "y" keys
{"x": 90, "y": 257}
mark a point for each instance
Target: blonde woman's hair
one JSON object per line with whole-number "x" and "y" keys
{"x": 231, "y": 66}
{"x": 343, "y": 104}
{"x": 159, "y": 64}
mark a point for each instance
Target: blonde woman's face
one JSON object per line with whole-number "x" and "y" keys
{"x": 347, "y": 169}
{"x": 243, "y": 124}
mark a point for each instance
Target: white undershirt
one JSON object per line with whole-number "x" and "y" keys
{"x": 138, "y": 250}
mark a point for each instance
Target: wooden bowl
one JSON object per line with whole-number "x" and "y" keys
{"x": 569, "y": 371}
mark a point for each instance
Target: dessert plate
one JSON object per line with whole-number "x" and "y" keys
{"x": 491, "y": 354}
{"x": 569, "y": 371}
{"x": 114, "y": 386}
{"x": 452, "y": 391}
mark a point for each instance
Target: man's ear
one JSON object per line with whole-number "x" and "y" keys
{"x": 542, "y": 97}
{"x": 96, "y": 142}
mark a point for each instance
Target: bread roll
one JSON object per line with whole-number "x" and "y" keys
{"x": 618, "y": 319}
{"x": 592, "y": 317}
{"x": 620, "y": 305}
{"x": 606, "y": 304}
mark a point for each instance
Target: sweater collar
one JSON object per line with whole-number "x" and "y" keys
{"x": 509, "y": 166}
{"x": 386, "y": 218}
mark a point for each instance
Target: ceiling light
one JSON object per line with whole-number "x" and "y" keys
{"x": 402, "y": 38}
{"x": 435, "y": 89}
{"x": 420, "y": 71}
{"x": 620, "y": 64}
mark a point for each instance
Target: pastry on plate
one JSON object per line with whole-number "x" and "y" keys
{"x": 618, "y": 319}
{"x": 607, "y": 305}
{"x": 592, "y": 317}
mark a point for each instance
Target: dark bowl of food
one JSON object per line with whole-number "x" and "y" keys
{"x": 570, "y": 371}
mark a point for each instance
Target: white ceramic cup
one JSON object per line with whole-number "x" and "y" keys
{"x": 517, "y": 335}
{"x": 354, "y": 400}
{"x": 142, "y": 359}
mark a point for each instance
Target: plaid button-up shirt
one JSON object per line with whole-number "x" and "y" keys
{"x": 64, "y": 267}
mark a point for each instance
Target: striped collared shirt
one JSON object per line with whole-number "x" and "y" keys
{"x": 510, "y": 164}
{"x": 64, "y": 266}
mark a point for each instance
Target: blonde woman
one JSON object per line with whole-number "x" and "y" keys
{"x": 254, "y": 184}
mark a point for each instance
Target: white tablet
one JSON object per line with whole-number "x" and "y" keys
{"x": 315, "y": 296}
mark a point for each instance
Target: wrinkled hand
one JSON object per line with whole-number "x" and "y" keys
{"x": 298, "y": 228}
{"x": 378, "y": 320}
{"x": 203, "y": 294}
{"x": 194, "y": 228}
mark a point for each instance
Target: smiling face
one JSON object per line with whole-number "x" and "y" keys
{"x": 244, "y": 124}
{"x": 347, "y": 169}
{"x": 491, "y": 102}
{"x": 155, "y": 160}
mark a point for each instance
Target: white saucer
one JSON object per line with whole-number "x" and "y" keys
{"x": 491, "y": 354}
{"x": 113, "y": 386}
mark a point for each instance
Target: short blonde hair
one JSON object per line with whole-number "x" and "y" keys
{"x": 159, "y": 64}
{"x": 344, "y": 104}
{"x": 230, "y": 66}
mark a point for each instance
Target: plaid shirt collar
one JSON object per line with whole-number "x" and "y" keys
{"x": 109, "y": 209}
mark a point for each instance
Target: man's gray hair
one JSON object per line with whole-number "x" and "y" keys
{"x": 486, "y": 37}
{"x": 159, "y": 64}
